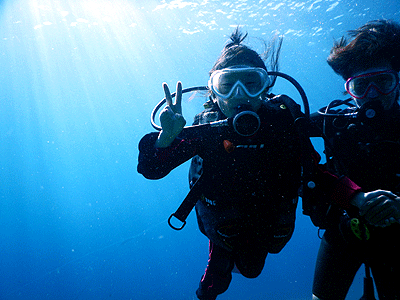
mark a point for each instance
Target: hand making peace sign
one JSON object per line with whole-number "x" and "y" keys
{"x": 171, "y": 119}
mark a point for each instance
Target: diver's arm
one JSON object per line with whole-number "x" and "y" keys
{"x": 379, "y": 208}
{"x": 323, "y": 185}
{"x": 155, "y": 163}
{"x": 337, "y": 190}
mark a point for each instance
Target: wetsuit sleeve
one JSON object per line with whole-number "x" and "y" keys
{"x": 336, "y": 190}
{"x": 155, "y": 163}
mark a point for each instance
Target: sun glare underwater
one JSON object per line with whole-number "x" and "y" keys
{"x": 79, "y": 80}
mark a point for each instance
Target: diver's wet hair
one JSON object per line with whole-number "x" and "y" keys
{"x": 371, "y": 43}
{"x": 235, "y": 53}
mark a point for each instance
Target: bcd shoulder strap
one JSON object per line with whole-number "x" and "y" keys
{"x": 302, "y": 125}
{"x": 210, "y": 113}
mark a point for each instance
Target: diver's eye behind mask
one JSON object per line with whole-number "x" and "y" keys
{"x": 384, "y": 82}
{"x": 227, "y": 82}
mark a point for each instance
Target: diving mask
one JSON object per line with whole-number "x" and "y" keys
{"x": 384, "y": 82}
{"x": 231, "y": 81}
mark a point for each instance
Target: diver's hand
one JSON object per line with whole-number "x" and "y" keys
{"x": 379, "y": 208}
{"x": 171, "y": 119}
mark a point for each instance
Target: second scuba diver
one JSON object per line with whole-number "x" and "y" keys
{"x": 249, "y": 181}
{"x": 363, "y": 142}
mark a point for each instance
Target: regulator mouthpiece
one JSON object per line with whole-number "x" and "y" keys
{"x": 246, "y": 123}
{"x": 370, "y": 110}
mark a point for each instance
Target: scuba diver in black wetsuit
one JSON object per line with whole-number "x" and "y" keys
{"x": 363, "y": 142}
{"x": 245, "y": 176}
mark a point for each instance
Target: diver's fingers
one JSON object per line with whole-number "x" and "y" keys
{"x": 373, "y": 202}
{"x": 178, "y": 103}
{"x": 379, "y": 217}
{"x": 168, "y": 98}
{"x": 166, "y": 117}
{"x": 381, "y": 211}
{"x": 378, "y": 204}
{"x": 377, "y": 193}
{"x": 392, "y": 220}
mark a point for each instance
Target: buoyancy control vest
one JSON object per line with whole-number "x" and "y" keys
{"x": 211, "y": 112}
{"x": 282, "y": 108}
{"x": 367, "y": 150}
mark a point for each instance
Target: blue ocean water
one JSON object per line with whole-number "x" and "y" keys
{"x": 78, "y": 81}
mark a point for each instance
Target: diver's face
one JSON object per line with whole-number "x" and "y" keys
{"x": 378, "y": 83}
{"x": 238, "y": 88}
{"x": 238, "y": 101}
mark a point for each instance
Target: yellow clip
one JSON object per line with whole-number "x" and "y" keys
{"x": 360, "y": 230}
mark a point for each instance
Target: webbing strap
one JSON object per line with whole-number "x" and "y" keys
{"x": 187, "y": 205}
{"x": 301, "y": 122}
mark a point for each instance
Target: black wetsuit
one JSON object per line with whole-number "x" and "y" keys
{"x": 368, "y": 151}
{"x": 249, "y": 185}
